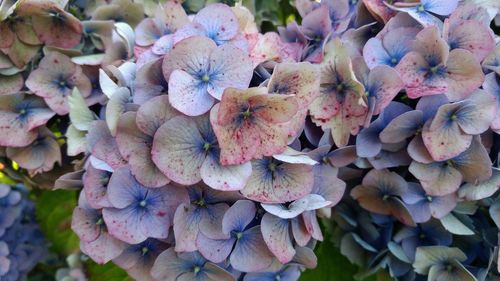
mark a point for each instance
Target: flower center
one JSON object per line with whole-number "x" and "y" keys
{"x": 100, "y": 221}
{"x": 340, "y": 88}
{"x": 207, "y": 146}
{"x": 434, "y": 69}
{"x": 421, "y": 8}
{"x": 394, "y": 61}
{"x": 277, "y": 278}
{"x": 143, "y": 203}
{"x": 246, "y": 114}
{"x": 429, "y": 198}
{"x": 144, "y": 250}
{"x": 22, "y": 111}
{"x": 454, "y": 117}
{"x": 272, "y": 166}
{"x": 201, "y": 202}
{"x": 196, "y": 270}
{"x": 205, "y": 78}
{"x": 239, "y": 235}
{"x": 386, "y": 197}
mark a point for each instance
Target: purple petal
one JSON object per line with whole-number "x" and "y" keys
{"x": 250, "y": 253}
{"x": 231, "y": 67}
{"x": 402, "y": 127}
{"x": 187, "y": 55}
{"x": 178, "y": 150}
{"x": 276, "y": 233}
{"x": 238, "y": 216}
{"x": 135, "y": 147}
{"x": 219, "y": 21}
{"x": 214, "y": 250}
{"x": 187, "y": 95}
{"x": 84, "y": 224}
{"x": 442, "y": 8}
{"x": 150, "y": 81}
{"x": 103, "y": 146}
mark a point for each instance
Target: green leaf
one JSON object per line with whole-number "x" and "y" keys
{"x": 107, "y": 272}
{"x": 53, "y": 211}
{"x": 332, "y": 266}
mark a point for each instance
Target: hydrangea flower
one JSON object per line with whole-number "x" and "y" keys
{"x": 431, "y": 68}
{"x": 423, "y": 11}
{"x": 21, "y": 115}
{"x": 390, "y": 48}
{"x": 238, "y": 240}
{"x": 426, "y": 234}
{"x": 205, "y": 209}
{"x": 439, "y": 262}
{"x": 186, "y": 150}
{"x": 411, "y": 124}
{"x": 492, "y": 85}
{"x": 469, "y": 34}
{"x": 423, "y": 206}
{"x": 54, "y": 81}
{"x": 88, "y": 224}
{"x": 137, "y": 212}
{"x": 39, "y": 156}
{"x": 168, "y": 18}
{"x": 275, "y": 181}
{"x": 51, "y": 23}
{"x": 237, "y": 193}
{"x": 22, "y": 245}
{"x": 455, "y": 125}
{"x": 445, "y": 177}
{"x": 368, "y": 143}
{"x": 341, "y": 105}
{"x": 217, "y": 22}
{"x": 249, "y": 124}
{"x": 172, "y": 266}
{"x": 198, "y": 71}
{"x": 380, "y": 193}
{"x": 138, "y": 260}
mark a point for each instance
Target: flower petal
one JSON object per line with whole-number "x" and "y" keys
{"x": 276, "y": 233}
{"x": 178, "y": 150}
{"x": 135, "y": 147}
{"x": 154, "y": 113}
{"x": 250, "y": 253}
{"x": 289, "y": 182}
{"x": 188, "y": 94}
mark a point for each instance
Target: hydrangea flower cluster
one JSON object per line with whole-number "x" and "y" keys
{"x": 22, "y": 244}
{"x": 218, "y": 148}
{"x": 45, "y": 53}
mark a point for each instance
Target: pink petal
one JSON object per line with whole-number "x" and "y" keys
{"x": 464, "y": 74}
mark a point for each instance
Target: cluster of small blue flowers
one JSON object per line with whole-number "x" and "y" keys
{"x": 22, "y": 244}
